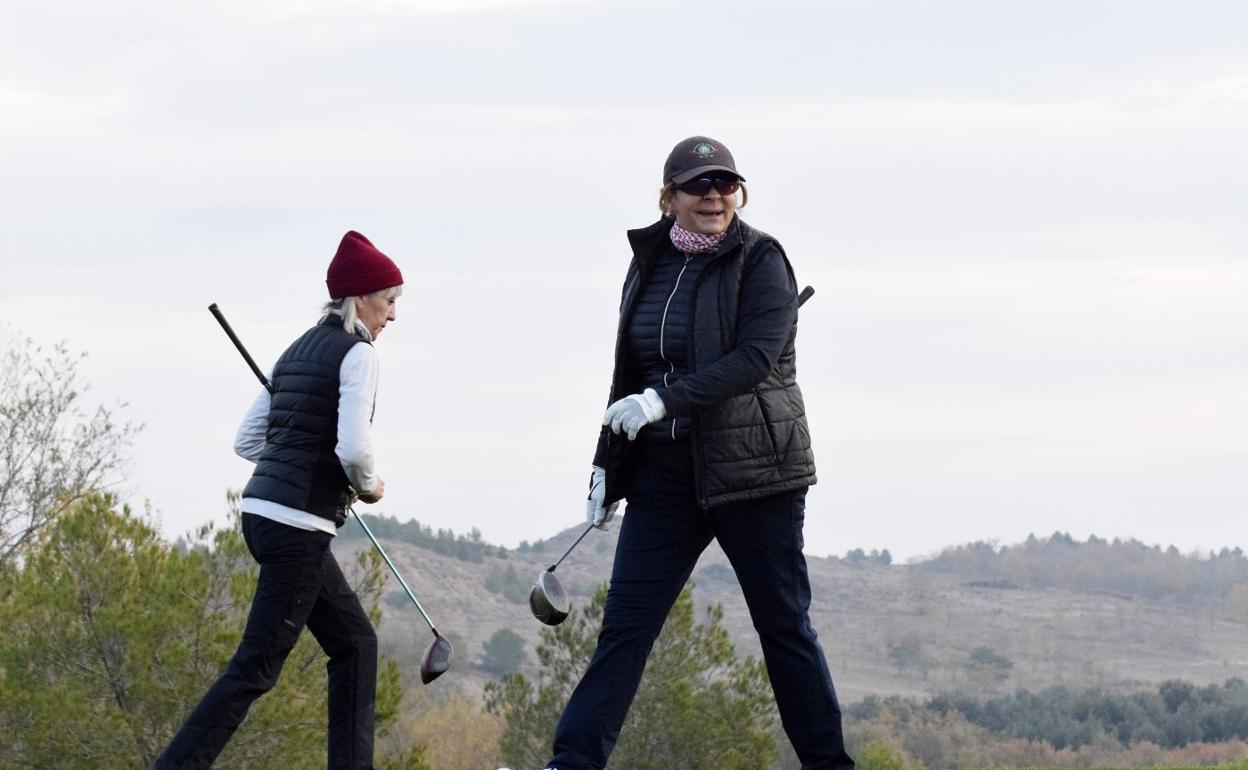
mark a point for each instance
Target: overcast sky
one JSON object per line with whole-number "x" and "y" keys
{"x": 1024, "y": 221}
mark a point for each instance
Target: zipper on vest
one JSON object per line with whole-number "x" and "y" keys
{"x": 671, "y": 368}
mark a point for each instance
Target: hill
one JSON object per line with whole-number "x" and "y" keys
{"x": 978, "y": 617}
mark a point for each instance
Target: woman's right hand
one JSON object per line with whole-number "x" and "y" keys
{"x": 378, "y": 492}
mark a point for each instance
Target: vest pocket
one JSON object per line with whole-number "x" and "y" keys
{"x": 769, "y": 425}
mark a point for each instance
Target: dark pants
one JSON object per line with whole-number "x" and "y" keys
{"x": 663, "y": 533}
{"x": 300, "y": 584}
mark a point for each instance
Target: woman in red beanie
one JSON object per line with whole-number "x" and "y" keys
{"x": 311, "y": 441}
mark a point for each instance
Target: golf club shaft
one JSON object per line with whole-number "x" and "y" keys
{"x": 390, "y": 564}
{"x": 216, "y": 312}
{"x": 565, "y": 553}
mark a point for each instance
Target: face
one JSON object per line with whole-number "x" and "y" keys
{"x": 708, "y": 214}
{"x": 375, "y": 311}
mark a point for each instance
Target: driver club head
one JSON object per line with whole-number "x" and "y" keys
{"x": 548, "y": 600}
{"x": 437, "y": 659}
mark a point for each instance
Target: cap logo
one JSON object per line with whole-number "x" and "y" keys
{"x": 703, "y": 150}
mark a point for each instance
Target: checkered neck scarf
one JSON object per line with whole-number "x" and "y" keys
{"x": 695, "y": 243}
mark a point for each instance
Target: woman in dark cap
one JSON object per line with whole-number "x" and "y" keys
{"x": 706, "y": 437}
{"x": 312, "y": 445}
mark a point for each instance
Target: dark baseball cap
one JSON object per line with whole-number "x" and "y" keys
{"x": 695, "y": 156}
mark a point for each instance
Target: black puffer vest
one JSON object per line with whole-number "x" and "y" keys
{"x": 658, "y": 332}
{"x": 299, "y": 468}
{"x": 752, "y": 440}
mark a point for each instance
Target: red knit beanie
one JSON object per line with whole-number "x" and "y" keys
{"x": 359, "y": 268}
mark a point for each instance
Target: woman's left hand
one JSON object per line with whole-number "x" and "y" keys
{"x": 375, "y": 496}
{"x": 595, "y": 512}
{"x": 634, "y": 412}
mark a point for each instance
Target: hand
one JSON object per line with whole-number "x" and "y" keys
{"x": 378, "y": 492}
{"x": 635, "y": 412}
{"x": 595, "y": 513}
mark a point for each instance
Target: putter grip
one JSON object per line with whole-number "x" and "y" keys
{"x": 216, "y": 313}
{"x": 806, "y": 294}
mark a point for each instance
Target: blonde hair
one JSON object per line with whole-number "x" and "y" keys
{"x": 668, "y": 191}
{"x": 345, "y": 307}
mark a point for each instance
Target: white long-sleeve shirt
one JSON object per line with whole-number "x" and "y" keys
{"x": 357, "y": 390}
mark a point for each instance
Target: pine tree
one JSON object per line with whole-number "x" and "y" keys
{"x": 111, "y": 635}
{"x": 699, "y": 706}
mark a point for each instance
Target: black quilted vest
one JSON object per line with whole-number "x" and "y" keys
{"x": 658, "y": 339}
{"x": 753, "y": 444}
{"x": 299, "y": 468}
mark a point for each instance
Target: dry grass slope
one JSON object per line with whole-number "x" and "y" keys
{"x": 898, "y": 629}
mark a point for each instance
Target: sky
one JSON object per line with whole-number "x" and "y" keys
{"x": 1024, "y": 223}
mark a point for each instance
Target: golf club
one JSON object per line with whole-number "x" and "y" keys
{"x": 547, "y": 598}
{"x": 437, "y": 659}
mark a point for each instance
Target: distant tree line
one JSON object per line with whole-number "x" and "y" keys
{"x": 470, "y": 547}
{"x": 1176, "y": 714}
{"x": 897, "y": 733}
{"x": 874, "y": 556}
{"x": 1124, "y": 567}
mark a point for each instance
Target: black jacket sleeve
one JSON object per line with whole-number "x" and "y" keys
{"x": 765, "y": 318}
{"x": 600, "y": 452}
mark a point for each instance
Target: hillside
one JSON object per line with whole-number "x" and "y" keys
{"x": 908, "y": 629}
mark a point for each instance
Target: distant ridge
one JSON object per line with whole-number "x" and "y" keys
{"x": 1049, "y": 611}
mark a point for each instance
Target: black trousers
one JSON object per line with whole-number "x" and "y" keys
{"x": 663, "y": 533}
{"x": 300, "y": 584}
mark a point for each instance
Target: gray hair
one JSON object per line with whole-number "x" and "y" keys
{"x": 345, "y": 307}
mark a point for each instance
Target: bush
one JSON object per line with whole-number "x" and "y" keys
{"x": 503, "y": 652}
{"x": 877, "y": 756}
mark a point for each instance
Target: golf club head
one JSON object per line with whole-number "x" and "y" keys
{"x": 548, "y": 600}
{"x": 437, "y": 659}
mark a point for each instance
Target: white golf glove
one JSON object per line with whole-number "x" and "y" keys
{"x": 634, "y": 412}
{"x": 595, "y": 512}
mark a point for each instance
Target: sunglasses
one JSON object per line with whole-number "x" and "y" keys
{"x": 701, "y": 186}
